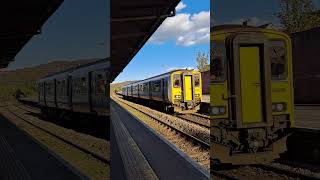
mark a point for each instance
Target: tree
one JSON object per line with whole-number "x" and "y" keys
{"x": 202, "y": 62}
{"x": 298, "y": 15}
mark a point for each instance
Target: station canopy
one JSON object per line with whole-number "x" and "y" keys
{"x": 132, "y": 24}
{"x": 20, "y": 20}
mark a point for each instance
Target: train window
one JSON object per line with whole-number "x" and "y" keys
{"x": 141, "y": 88}
{"x": 176, "y": 80}
{"x": 100, "y": 84}
{"x": 145, "y": 87}
{"x": 217, "y": 64}
{"x": 49, "y": 87}
{"x": 63, "y": 88}
{"x": 278, "y": 60}
{"x": 83, "y": 86}
{"x": 196, "y": 80}
{"x": 156, "y": 86}
{"x": 59, "y": 89}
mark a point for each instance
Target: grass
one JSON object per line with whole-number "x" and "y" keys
{"x": 8, "y": 90}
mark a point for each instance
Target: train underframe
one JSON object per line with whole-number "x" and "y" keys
{"x": 89, "y": 123}
{"x": 247, "y": 145}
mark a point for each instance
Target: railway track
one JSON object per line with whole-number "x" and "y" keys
{"x": 201, "y": 120}
{"x": 261, "y": 171}
{"x": 52, "y": 134}
{"x": 178, "y": 136}
{"x": 195, "y": 139}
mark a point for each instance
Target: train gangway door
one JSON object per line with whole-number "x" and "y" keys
{"x": 250, "y": 75}
{"x": 188, "y": 87}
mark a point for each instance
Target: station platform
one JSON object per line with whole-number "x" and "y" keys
{"x": 307, "y": 117}
{"x": 22, "y": 157}
{"x": 143, "y": 154}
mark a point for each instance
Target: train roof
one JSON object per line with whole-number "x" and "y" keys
{"x": 170, "y": 72}
{"x": 238, "y": 27}
{"x": 77, "y": 67}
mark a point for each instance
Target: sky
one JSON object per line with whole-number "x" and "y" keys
{"x": 258, "y": 11}
{"x": 175, "y": 44}
{"x": 77, "y": 30}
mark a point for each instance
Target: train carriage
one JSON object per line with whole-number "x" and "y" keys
{"x": 176, "y": 90}
{"x": 84, "y": 89}
{"x": 251, "y": 93}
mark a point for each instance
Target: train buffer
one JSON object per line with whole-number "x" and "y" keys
{"x": 22, "y": 157}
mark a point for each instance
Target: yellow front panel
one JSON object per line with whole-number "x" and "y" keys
{"x": 188, "y": 87}
{"x": 250, "y": 85}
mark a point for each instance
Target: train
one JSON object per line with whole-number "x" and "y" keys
{"x": 252, "y": 96}
{"x": 83, "y": 90}
{"x": 306, "y": 66}
{"x": 174, "y": 91}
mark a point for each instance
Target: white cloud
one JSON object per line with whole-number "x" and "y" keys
{"x": 185, "y": 29}
{"x": 180, "y": 6}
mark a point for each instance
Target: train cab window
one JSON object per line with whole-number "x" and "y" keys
{"x": 278, "y": 60}
{"x": 217, "y": 64}
{"x": 196, "y": 80}
{"x": 176, "y": 80}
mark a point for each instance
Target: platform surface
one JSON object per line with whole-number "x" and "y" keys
{"x": 307, "y": 117}
{"x": 163, "y": 159}
{"x": 23, "y": 158}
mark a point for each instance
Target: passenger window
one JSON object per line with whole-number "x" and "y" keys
{"x": 100, "y": 84}
{"x": 156, "y": 86}
{"x": 196, "y": 80}
{"x": 278, "y": 60}
{"x": 83, "y": 88}
{"x": 176, "y": 81}
{"x": 217, "y": 64}
{"x": 63, "y": 88}
{"x": 145, "y": 87}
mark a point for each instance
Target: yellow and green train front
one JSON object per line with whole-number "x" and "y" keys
{"x": 251, "y": 93}
{"x": 186, "y": 89}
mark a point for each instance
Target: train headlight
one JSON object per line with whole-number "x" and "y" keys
{"x": 279, "y": 107}
{"x": 222, "y": 110}
{"x": 197, "y": 95}
{"x": 218, "y": 110}
{"x": 177, "y": 97}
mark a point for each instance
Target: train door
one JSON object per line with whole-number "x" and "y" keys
{"x": 69, "y": 91}
{"x": 90, "y": 91}
{"x": 99, "y": 91}
{"x": 188, "y": 88}
{"x": 251, "y": 80}
{"x": 45, "y": 93}
{"x": 55, "y": 93}
{"x": 164, "y": 87}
